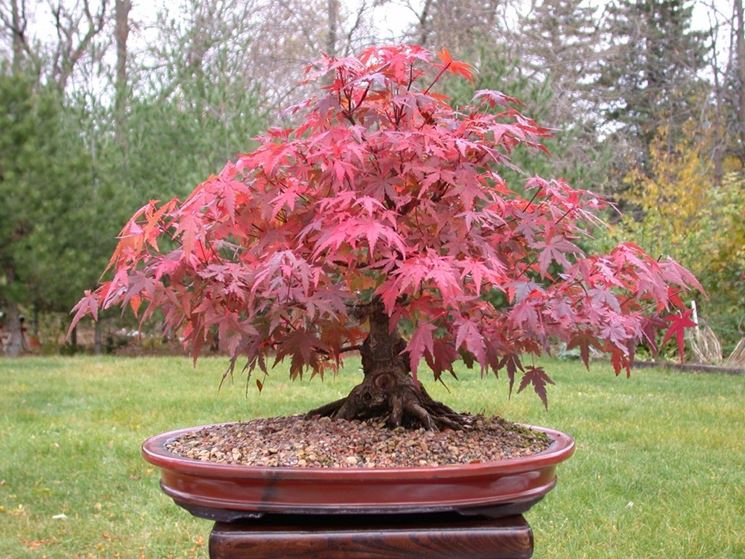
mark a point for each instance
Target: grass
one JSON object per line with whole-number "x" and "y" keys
{"x": 659, "y": 469}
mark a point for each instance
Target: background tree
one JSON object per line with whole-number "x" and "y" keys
{"x": 649, "y": 71}
{"x": 458, "y": 26}
{"x": 738, "y": 74}
{"x": 177, "y": 95}
{"x": 559, "y": 49}
{"x": 680, "y": 210}
{"x": 111, "y": 154}
{"x": 121, "y": 83}
{"x": 727, "y": 69}
{"x": 44, "y": 183}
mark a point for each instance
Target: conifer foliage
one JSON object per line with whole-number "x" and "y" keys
{"x": 381, "y": 224}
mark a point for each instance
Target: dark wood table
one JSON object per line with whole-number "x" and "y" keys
{"x": 423, "y": 536}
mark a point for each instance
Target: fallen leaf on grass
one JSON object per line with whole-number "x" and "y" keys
{"x": 19, "y": 511}
{"x": 35, "y": 544}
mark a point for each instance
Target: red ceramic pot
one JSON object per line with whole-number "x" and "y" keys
{"x": 227, "y": 492}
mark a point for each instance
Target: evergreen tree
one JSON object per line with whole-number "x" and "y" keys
{"x": 547, "y": 96}
{"x": 461, "y": 27}
{"x": 44, "y": 181}
{"x": 558, "y": 45}
{"x": 649, "y": 71}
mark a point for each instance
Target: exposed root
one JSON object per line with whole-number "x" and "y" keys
{"x": 327, "y": 410}
{"x": 388, "y": 390}
{"x": 405, "y": 406}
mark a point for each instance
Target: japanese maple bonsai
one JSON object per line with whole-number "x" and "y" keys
{"x": 382, "y": 223}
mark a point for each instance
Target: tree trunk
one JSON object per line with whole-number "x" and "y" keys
{"x": 13, "y": 325}
{"x": 424, "y": 23}
{"x": 35, "y": 321}
{"x": 74, "y": 339}
{"x": 388, "y": 390}
{"x": 121, "y": 10}
{"x": 719, "y": 138}
{"x": 333, "y": 23}
{"x": 98, "y": 337}
{"x": 17, "y": 13}
{"x": 740, "y": 57}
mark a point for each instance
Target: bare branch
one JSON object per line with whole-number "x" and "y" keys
{"x": 14, "y": 19}
{"x": 355, "y": 26}
{"x": 68, "y": 51}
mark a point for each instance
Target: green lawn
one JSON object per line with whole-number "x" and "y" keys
{"x": 659, "y": 469}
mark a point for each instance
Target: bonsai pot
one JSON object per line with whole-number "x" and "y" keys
{"x": 228, "y": 493}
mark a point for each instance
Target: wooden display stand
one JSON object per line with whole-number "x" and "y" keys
{"x": 423, "y": 536}
{"x": 465, "y": 511}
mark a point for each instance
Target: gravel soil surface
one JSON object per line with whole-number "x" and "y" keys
{"x": 329, "y": 443}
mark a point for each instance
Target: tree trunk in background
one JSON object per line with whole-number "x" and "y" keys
{"x": 12, "y": 319}
{"x": 333, "y": 23}
{"x": 424, "y": 23}
{"x": 74, "y": 339}
{"x": 17, "y": 30}
{"x": 13, "y": 326}
{"x": 121, "y": 11}
{"x": 740, "y": 56}
{"x": 35, "y": 321}
{"x": 98, "y": 337}
{"x": 719, "y": 140}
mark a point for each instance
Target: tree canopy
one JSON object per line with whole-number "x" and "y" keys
{"x": 383, "y": 194}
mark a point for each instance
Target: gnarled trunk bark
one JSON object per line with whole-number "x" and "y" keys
{"x": 388, "y": 389}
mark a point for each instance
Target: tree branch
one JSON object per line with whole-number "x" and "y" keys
{"x": 68, "y": 54}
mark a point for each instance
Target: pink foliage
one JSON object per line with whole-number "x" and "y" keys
{"x": 384, "y": 190}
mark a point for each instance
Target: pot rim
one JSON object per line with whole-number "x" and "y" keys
{"x": 154, "y": 451}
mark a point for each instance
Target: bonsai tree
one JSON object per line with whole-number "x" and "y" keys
{"x": 382, "y": 224}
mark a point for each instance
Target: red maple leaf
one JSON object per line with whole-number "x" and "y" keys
{"x": 678, "y": 325}
{"x": 455, "y": 66}
{"x": 512, "y": 364}
{"x": 584, "y": 341}
{"x": 538, "y": 378}
{"x": 619, "y": 359}
{"x": 88, "y": 305}
{"x": 468, "y": 334}
{"x": 442, "y": 357}
{"x": 384, "y": 193}
{"x": 420, "y": 342}
{"x": 494, "y": 98}
{"x": 651, "y": 325}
